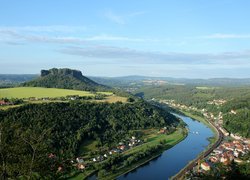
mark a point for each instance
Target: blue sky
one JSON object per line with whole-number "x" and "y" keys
{"x": 195, "y": 39}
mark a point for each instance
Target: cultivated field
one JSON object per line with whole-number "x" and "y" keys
{"x": 38, "y": 92}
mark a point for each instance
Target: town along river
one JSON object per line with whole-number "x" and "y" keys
{"x": 173, "y": 160}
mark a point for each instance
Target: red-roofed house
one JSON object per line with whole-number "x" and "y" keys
{"x": 205, "y": 166}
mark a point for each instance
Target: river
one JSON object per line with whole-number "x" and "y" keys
{"x": 173, "y": 160}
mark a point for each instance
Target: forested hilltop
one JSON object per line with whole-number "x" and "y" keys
{"x": 216, "y": 100}
{"x": 64, "y": 79}
{"x": 31, "y": 133}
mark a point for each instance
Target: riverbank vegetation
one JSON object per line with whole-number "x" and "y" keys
{"x": 154, "y": 144}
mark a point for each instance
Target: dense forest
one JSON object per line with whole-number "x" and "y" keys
{"x": 240, "y": 122}
{"x": 64, "y": 79}
{"x": 28, "y": 134}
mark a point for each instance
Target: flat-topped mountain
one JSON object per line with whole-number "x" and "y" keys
{"x": 64, "y": 78}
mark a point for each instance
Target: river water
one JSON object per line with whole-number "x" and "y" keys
{"x": 173, "y": 160}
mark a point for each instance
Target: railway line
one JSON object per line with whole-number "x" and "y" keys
{"x": 194, "y": 163}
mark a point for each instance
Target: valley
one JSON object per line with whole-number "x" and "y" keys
{"x": 109, "y": 132}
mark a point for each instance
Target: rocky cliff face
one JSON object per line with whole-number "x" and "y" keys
{"x": 65, "y": 78}
{"x": 64, "y": 71}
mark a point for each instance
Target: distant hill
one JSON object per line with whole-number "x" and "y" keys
{"x": 64, "y": 78}
{"x": 146, "y": 80}
{"x": 8, "y": 80}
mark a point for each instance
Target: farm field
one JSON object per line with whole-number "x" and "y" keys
{"x": 38, "y": 92}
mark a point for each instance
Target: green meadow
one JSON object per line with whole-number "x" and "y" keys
{"x": 38, "y": 92}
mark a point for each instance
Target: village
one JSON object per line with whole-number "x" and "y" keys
{"x": 81, "y": 163}
{"x": 226, "y": 153}
{"x": 232, "y": 149}
{"x": 216, "y": 119}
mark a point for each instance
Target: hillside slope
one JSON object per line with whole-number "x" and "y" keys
{"x": 60, "y": 128}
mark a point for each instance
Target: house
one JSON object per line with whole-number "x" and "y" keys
{"x": 2, "y": 102}
{"x": 235, "y": 136}
{"x": 94, "y": 159}
{"x": 236, "y": 154}
{"x": 218, "y": 151}
{"x": 79, "y": 160}
{"x": 121, "y": 143}
{"x": 224, "y": 131}
{"x": 237, "y": 160}
{"x": 162, "y": 131}
{"x": 240, "y": 149}
{"x": 122, "y": 147}
{"x": 100, "y": 158}
{"x": 247, "y": 141}
{"x": 225, "y": 160}
{"x": 59, "y": 169}
{"x": 205, "y": 166}
{"x": 233, "y": 112}
{"x": 213, "y": 159}
{"x": 81, "y": 166}
{"x": 230, "y": 155}
{"x": 51, "y": 156}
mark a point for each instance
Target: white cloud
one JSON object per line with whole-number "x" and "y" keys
{"x": 120, "y": 55}
{"x": 121, "y": 19}
{"x": 9, "y": 35}
{"x": 226, "y": 36}
{"x": 115, "y": 18}
{"x": 48, "y": 29}
{"x": 105, "y": 37}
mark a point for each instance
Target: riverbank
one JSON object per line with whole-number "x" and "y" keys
{"x": 202, "y": 120}
{"x": 213, "y": 143}
{"x": 156, "y": 155}
{"x": 153, "y": 138}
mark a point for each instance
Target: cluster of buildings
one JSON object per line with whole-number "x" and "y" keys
{"x": 217, "y": 102}
{"x": 217, "y": 119}
{"x": 226, "y": 153}
{"x": 81, "y": 163}
{"x": 121, "y": 147}
{"x": 154, "y": 82}
{"x": 172, "y": 103}
{"x": 4, "y": 103}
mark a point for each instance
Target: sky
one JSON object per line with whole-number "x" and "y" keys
{"x": 190, "y": 39}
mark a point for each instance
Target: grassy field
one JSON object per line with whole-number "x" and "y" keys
{"x": 153, "y": 138}
{"x": 112, "y": 99}
{"x": 38, "y": 92}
